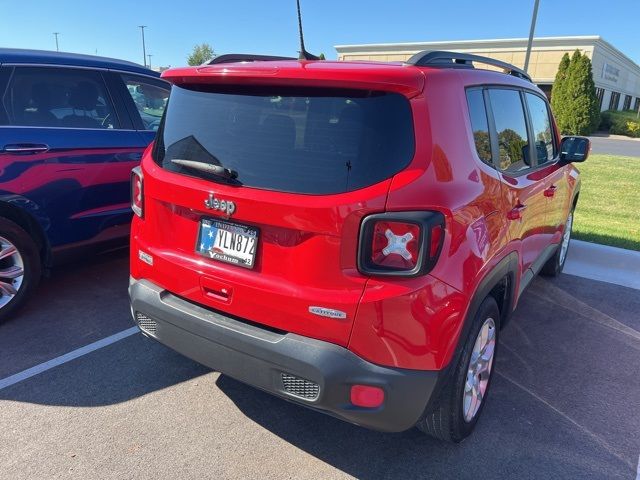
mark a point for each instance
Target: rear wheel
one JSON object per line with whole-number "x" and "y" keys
{"x": 19, "y": 267}
{"x": 555, "y": 264}
{"x": 454, "y": 415}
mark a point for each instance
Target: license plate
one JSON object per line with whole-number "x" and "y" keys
{"x": 228, "y": 242}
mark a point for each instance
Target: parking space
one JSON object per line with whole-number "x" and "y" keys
{"x": 564, "y": 402}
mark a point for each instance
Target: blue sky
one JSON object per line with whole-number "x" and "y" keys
{"x": 269, "y": 26}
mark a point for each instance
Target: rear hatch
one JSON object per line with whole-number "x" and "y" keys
{"x": 254, "y": 195}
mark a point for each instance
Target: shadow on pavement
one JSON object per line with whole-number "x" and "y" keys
{"x": 566, "y": 415}
{"x": 561, "y": 405}
{"x": 118, "y": 373}
{"x": 78, "y": 304}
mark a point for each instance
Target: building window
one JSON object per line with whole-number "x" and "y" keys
{"x": 636, "y": 105}
{"x": 613, "y": 102}
{"x": 627, "y": 102}
{"x": 600, "y": 95}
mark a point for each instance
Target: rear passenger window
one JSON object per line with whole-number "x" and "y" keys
{"x": 541, "y": 125}
{"x": 511, "y": 128}
{"x": 479, "y": 124}
{"x": 149, "y": 97}
{"x": 58, "y": 97}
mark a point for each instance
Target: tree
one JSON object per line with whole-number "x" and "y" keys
{"x": 584, "y": 115}
{"x": 200, "y": 54}
{"x": 575, "y": 103}
{"x": 321, "y": 57}
{"x": 559, "y": 87}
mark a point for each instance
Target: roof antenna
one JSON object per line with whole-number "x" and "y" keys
{"x": 304, "y": 55}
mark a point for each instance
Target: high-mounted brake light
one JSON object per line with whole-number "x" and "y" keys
{"x": 137, "y": 192}
{"x": 400, "y": 243}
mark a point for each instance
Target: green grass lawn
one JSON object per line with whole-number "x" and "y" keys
{"x": 608, "y": 210}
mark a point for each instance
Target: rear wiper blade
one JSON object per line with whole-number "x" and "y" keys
{"x": 206, "y": 167}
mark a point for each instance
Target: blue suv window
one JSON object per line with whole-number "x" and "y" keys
{"x": 58, "y": 97}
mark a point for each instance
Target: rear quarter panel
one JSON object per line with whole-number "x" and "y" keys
{"x": 416, "y": 323}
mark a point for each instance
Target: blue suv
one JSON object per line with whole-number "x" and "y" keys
{"x": 71, "y": 129}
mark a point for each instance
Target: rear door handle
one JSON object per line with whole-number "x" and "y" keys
{"x": 551, "y": 191}
{"x": 26, "y": 148}
{"x": 516, "y": 212}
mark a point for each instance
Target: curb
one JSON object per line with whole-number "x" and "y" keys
{"x": 613, "y": 136}
{"x": 604, "y": 263}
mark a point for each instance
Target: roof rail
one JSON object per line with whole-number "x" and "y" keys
{"x": 444, "y": 59}
{"x": 245, "y": 57}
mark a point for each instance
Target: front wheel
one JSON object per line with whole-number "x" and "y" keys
{"x": 454, "y": 415}
{"x": 19, "y": 267}
{"x": 555, "y": 264}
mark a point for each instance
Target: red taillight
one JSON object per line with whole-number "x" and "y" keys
{"x": 400, "y": 243}
{"x": 137, "y": 193}
{"x": 436, "y": 240}
{"x": 395, "y": 245}
{"x": 367, "y": 396}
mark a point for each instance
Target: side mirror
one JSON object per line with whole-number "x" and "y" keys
{"x": 574, "y": 149}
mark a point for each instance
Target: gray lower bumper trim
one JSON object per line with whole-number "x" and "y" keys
{"x": 258, "y": 356}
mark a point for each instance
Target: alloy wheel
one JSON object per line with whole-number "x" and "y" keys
{"x": 11, "y": 271}
{"x": 479, "y": 370}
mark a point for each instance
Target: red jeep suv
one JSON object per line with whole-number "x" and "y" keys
{"x": 351, "y": 236}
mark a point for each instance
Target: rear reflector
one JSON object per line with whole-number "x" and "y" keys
{"x": 367, "y": 396}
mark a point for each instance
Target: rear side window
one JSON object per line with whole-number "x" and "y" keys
{"x": 479, "y": 124}
{"x": 313, "y": 141}
{"x": 150, "y": 98}
{"x": 541, "y": 125}
{"x": 511, "y": 129}
{"x": 58, "y": 97}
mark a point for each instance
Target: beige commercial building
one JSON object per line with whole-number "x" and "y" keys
{"x": 616, "y": 76}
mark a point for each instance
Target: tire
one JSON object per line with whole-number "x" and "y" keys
{"x": 452, "y": 417}
{"x": 15, "y": 289}
{"x": 555, "y": 264}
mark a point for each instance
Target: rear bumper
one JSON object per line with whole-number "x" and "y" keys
{"x": 259, "y": 357}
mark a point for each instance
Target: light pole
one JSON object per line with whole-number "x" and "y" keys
{"x": 144, "y": 50}
{"x": 533, "y": 28}
{"x": 55, "y": 34}
{"x": 149, "y": 55}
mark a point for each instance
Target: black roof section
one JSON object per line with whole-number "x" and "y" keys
{"x": 45, "y": 57}
{"x": 245, "y": 57}
{"x": 444, "y": 59}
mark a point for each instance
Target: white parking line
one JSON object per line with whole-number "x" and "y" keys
{"x": 67, "y": 357}
{"x": 638, "y": 470}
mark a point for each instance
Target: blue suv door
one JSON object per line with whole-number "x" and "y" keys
{"x": 66, "y": 152}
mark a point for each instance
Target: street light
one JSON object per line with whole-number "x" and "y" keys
{"x": 56, "y": 35}
{"x": 533, "y": 28}
{"x": 144, "y": 50}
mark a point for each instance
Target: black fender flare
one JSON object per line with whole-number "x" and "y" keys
{"x": 508, "y": 268}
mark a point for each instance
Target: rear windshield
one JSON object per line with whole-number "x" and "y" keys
{"x": 313, "y": 141}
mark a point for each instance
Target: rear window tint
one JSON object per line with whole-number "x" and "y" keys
{"x": 314, "y": 141}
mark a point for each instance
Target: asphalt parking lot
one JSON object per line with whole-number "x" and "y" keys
{"x": 565, "y": 401}
{"x": 615, "y": 145}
